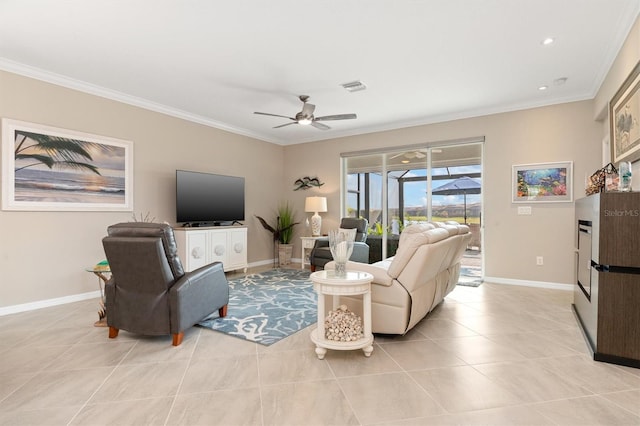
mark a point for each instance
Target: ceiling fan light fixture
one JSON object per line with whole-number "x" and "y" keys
{"x": 306, "y": 117}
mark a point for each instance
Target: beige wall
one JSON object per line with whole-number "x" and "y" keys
{"x": 43, "y": 254}
{"x": 62, "y": 244}
{"x": 627, "y": 58}
{"x": 572, "y": 131}
{"x": 511, "y": 242}
{"x": 625, "y": 61}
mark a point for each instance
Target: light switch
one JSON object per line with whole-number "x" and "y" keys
{"x": 524, "y": 210}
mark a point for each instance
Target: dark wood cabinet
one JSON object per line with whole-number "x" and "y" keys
{"x": 607, "y": 295}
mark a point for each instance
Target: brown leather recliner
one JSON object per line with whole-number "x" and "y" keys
{"x": 149, "y": 293}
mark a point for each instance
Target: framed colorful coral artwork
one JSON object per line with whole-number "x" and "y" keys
{"x": 542, "y": 183}
{"x": 624, "y": 112}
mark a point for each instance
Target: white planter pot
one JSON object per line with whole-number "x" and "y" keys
{"x": 284, "y": 254}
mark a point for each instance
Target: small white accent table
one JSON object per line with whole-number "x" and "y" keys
{"x": 353, "y": 283}
{"x": 307, "y": 246}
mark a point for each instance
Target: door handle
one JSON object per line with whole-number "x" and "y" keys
{"x": 599, "y": 268}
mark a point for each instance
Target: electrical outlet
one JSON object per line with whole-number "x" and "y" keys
{"x": 539, "y": 260}
{"x": 524, "y": 210}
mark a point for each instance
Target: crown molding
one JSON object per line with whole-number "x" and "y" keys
{"x": 92, "y": 89}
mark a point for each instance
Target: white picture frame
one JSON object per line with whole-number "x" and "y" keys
{"x": 46, "y": 168}
{"x": 624, "y": 111}
{"x": 542, "y": 183}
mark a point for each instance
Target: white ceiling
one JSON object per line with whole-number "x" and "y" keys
{"x": 216, "y": 62}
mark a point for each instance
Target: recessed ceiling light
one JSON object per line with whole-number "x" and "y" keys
{"x": 547, "y": 41}
{"x": 543, "y": 88}
{"x": 405, "y": 161}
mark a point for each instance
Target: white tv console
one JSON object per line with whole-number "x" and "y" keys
{"x": 200, "y": 246}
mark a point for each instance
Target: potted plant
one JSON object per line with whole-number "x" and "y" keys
{"x": 282, "y": 232}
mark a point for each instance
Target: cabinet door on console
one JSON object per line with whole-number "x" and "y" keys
{"x": 195, "y": 243}
{"x": 237, "y": 256}
{"x": 218, "y": 247}
{"x": 199, "y": 247}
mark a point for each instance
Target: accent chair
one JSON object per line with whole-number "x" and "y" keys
{"x": 149, "y": 292}
{"x": 321, "y": 254}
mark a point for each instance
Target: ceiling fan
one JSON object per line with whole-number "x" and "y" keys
{"x": 410, "y": 155}
{"x": 306, "y": 117}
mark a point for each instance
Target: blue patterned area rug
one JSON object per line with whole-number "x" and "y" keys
{"x": 470, "y": 276}
{"x": 267, "y": 307}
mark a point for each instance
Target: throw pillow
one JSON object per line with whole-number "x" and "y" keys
{"x": 350, "y": 234}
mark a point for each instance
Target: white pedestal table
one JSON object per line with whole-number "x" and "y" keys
{"x": 353, "y": 283}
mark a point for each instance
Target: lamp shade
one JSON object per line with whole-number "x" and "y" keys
{"x": 315, "y": 204}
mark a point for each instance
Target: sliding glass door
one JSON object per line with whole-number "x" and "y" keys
{"x": 416, "y": 184}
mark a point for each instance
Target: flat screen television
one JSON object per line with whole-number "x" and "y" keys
{"x": 204, "y": 199}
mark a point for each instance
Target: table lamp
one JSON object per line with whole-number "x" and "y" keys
{"x": 315, "y": 205}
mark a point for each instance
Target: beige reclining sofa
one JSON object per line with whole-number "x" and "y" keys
{"x": 407, "y": 286}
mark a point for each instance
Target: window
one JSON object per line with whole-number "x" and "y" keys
{"x": 396, "y": 188}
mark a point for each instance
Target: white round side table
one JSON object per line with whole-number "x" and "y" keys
{"x": 353, "y": 283}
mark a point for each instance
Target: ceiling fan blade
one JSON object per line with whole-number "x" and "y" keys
{"x": 320, "y": 125}
{"x": 308, "y": 109}
{"x": 397, "y": 155}
{"x": 285, "y": 124}
{"x": 274, "y": 115}
{"x": 337, "y": 117}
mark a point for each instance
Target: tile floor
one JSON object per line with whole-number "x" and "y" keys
{"x": 492, "y": 355}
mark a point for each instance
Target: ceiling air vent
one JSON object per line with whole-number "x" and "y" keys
{"x": 354, "y": 86}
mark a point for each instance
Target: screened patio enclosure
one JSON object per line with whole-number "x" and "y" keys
{"x": 399, "y": 187}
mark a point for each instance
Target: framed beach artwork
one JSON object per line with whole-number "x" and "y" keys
{"x": 624, "y": 116}
{"x": 542, "y": 183}
{"x": 51, "y": 169}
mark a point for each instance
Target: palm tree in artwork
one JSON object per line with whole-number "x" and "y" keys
{"x": 55, "y": 151}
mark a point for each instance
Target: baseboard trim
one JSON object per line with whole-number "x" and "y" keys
{"x": 272, "y": 262}
{"x": 14, "y": 309}
{"x": 32, "y": 306}
{"x": 262, "y": 263}
{"x": 529, "y": 283}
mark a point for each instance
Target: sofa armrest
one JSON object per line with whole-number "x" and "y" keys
{"x": 380, "y": 275}
{"x": 110, "y": 289}
{"x": 360, "y": 253}
{"x": 197, "y": 294}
